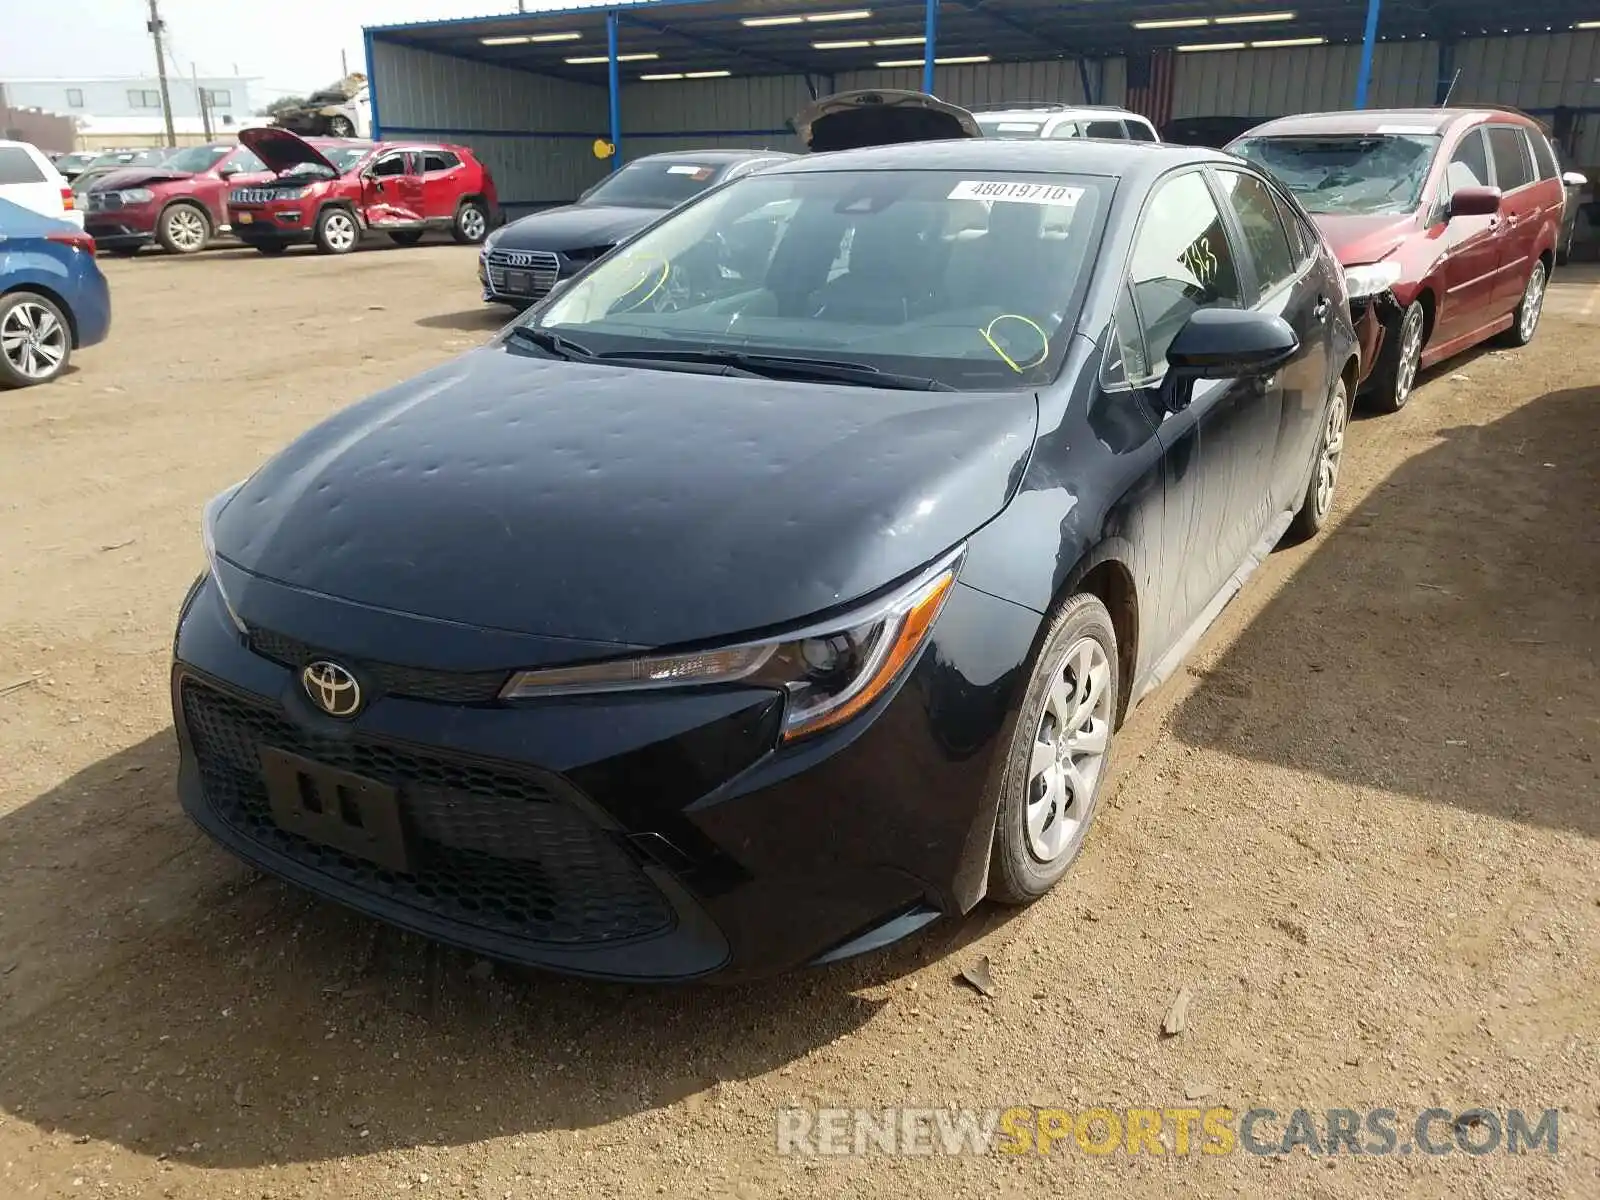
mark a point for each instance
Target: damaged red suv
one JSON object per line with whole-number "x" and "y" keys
{"x": 180, "y": 203}
{"x": 1446, "y": 222}
{"x": 332, "y": 192}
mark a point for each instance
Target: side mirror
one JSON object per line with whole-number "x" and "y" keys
{"x": 1473, "y": 202}
{"x": 1574, "y": 179}
{"x": 1230, "y": 343}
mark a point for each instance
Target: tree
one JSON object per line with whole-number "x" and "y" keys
{"x": 283, "y": 104}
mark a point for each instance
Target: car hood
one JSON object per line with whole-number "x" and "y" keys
{"x": 127, "y": 177}
{"x": 282, "y": 150}
{"x": 631, "y": 506}
{"x": 575, "y": 227}
{"x": 1357, "y": 240}
{"x": 880, "y": 117}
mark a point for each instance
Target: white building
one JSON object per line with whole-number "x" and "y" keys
{"x": 126, "y": 110}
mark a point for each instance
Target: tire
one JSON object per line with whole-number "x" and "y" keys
{"x": 271, "y": 248}
{"x": 1317, "y": 503}
{"x": 1041, "y": 820}
{"x": 183, "y": 229}
{"x": 340, "y": 127}
{"x": 1395, "y": 375}
{"x": 471, "y": 224}
{"x": 1525, "y": 321}
{"x": 337, "y": 231}
{"x": 406, "y": 237}
{"x": 35, "y": 340}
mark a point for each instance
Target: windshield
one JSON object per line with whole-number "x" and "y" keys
{"x": 196, "y": 158}
{"x": 968, "y": 279}
{"x": 647, "y": 184}
{"x": 1009, "y": 127}
{"x": 1349, "y": 174}
{"x": 342, "y": 158}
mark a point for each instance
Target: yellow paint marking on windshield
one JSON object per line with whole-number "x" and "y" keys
{"x": 987, "y": 333}
{"x": 649, "y": 262}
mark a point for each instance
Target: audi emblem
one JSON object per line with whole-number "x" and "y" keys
{"x": 331, "y": 688}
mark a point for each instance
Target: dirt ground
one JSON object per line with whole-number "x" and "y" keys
{"x": 1362, "y": 831}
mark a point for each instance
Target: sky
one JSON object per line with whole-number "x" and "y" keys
{"x": 292, "y": 45}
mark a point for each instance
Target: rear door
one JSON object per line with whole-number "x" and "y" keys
{"x": 28, "y": 179}
{"x": 443, "y": 176}
{"x": 1288, "y": 286}
{"x": 1470, "y": 261}
{"x": 1521, "y": 213}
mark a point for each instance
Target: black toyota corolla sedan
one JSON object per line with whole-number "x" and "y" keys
{"x": 778, "y": 585}
{"x": 521, "y": 261}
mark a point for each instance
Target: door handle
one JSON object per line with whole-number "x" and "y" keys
{"x": 1320, "y": 312}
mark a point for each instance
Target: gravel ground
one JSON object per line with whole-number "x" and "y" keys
{"x": 1360, "y": 832}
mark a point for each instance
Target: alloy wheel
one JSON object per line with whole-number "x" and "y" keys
{"x": 1532, "y": 303}
{"x": 473, "y": 223}
{"x": 1332, "y": 451}
{"x": 186, "y": 229}
{"x": 1069, "y": 750}
{"x": 339, "y": 231}
{"x": 33, "y": 340}
{"x": 1410, "y": 354}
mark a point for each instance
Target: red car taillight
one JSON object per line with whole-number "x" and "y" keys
{"x": 78, "y": 241}
{"x": 68, "y": 200}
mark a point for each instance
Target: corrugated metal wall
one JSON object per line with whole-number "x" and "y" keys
{"x": 535, "y": 133}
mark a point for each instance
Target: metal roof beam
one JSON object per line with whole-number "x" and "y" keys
{"x": 1025, "y": 28}
{"x": 708, "y": 43}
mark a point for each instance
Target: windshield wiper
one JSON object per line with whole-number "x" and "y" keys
{"x": 551, "y": 342}
{"x": 778, "y": 366}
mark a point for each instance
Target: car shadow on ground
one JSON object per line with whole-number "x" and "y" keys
{"x": 1441, "y": 643}
{"x": 156, "y": 994}
{"x": 484, "y": 319}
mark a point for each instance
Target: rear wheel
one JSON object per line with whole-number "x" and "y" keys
{"x": 340, "y": 127}
{"x": 1525, "y": 323}
{"x": 1318, "y": 500}
{"x": 183, "y": 229}
{"x": 1396, "y": 371}
{"x": 337, "y": 231}
{"x": 472, "y": 223}
{"x": 406, "y": 237}
{"x": 35, "y": 340}
{"x": 1059, "y": 755}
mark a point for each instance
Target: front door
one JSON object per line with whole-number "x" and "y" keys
{"x": 1217, "y": 447}
{"x": 1471, "y": 257}
{"x": 393, "y": 190}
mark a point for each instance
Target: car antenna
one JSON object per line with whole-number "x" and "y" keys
{"x": 1450, "y": 91}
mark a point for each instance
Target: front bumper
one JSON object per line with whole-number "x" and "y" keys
{"x": 253, "y": 225}
{"x": 638, "y": 837}
{"x": 117, "y": 235}
{"x": 1373, "y": 317}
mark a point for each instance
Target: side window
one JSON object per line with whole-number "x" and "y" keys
{"x": 1138, "y": 131}
{"x": 390, "y": 164}
{"x": 1181, "y": 262}
{"x": 1509, "y": 149}
{"x": 17, "y": 166}
{"x": 1264, "y": 235}
{"x": 1125, "y": 360}
{"x": 1105, "y": 129}
{"x": 1303, "y": 239}
{"x": 1066, "y": 129}
{"x": 1468, "y": 167}
{"x": 1544, "y": 156}
{"x": 439, "y": 160}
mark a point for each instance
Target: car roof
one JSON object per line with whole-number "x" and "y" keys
{"x": 712, "y": 156}
{"x": 1079, "y": 156}
{"x": 1373, "y": 120}
{"x": 1027, "y": 111}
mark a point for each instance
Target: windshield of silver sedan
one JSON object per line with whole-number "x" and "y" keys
{"x": 1354, "y": 174}
{"x": 965, "y": 279}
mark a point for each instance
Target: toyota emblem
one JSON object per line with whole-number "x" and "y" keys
{"x": 331, "y": 688}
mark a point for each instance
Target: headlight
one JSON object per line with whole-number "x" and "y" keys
{"x": 1371, "y": 279}
{"x": 208, "y": 521}
{"x": 136, "y": 195}
{"x": 829, "y": 672}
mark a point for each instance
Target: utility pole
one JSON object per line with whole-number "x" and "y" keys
{"x": 200, "y": 99}
{"x": 344, "y": 66}
{"x": 155, "y": 26}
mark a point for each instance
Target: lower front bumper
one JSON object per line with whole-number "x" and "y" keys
{"x": 658, "y": 838}
{"x": 119, "y": 237}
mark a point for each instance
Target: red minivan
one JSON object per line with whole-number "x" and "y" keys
{"x": 1446, "y": 221}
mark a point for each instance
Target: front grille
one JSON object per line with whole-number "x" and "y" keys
{"x": 259, "y": 195}
{"x": 445, "y": 687}
{"x": 541, "y": 268}
{"x": 103, "y": 201}
{"x": 493, "y": 847}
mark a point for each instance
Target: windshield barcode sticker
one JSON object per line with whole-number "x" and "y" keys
{"x": 1016, "y": 193}
{"x": 685, "y": 169}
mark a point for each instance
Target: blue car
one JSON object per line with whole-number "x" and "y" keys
{"x": 53, "y": 298}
